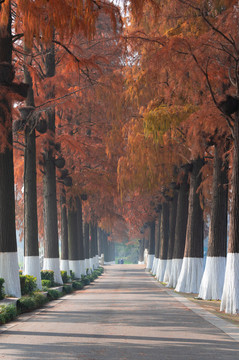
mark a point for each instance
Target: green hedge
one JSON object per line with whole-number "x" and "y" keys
{"x": 28, "y": 284}
{"x": 54, "y": 294}
{"x": 77, "y": 285}
{"x": 46, "y": 283}
{"x": 85, "y": 280}
{"x": 72, "y": 275}
{"x": 28, "y": 303}
{"x": 64, "y": 276}
{"x": 48, "y": 275}
{"x": 2, "y": 292}
{"x": 7, "y": 313}
{"x": 67, "y": 289}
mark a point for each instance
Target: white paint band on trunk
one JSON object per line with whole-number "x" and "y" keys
{"x": 150, "y": 261}
{"x": 230, "y": 295}
{"x": 74, "y": 266}
{"x": 54, "y": 265}
{"x": 91, "y": 264}
{"x": 213, "y": 278}
{"x": 161, "y": 269}
{"x": 87, "y": 265}
{"x": 82, "y": 267}
{"x": 64, "y": 266}
{"x": 175, "y": 272}
{"x": 167, "y": 271}
{"x": 140, "y": 262}
{"x": 155, "y": 265}
{"x": 190, "y": 276}
{"x": 9, "y": 271}
{"x": 32, "y": 267}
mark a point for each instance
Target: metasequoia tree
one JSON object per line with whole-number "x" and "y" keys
{"x": 180, "y": 228}
{"x": 172, "y": 224}
{"x": 8, "y": 245}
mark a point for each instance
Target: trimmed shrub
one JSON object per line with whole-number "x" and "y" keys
{"x": 2, "y": 292}
{"x": 28, "y": 284}
{"x": 48, "y": 275}
{"x": 26, "y": 303}
{"x": 7, "y": 313}
{"x": 46, "y": 283}
{"x": 67, "y": 289}
{"x": 72, "y": 275}
{"x": 40, "y": 299}
{"x": 64, "y": 276}
{"x": 77, "y": 285}
{"x": 53, "y": 294}
{"x": 85, "y": 280}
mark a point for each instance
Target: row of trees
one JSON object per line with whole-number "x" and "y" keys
{"x": 182, "y": 141}
{"x": 140, "y": 117}
{"x": 61, "y": 55}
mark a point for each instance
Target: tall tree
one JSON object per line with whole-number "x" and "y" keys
{"x": 192, "y": 267}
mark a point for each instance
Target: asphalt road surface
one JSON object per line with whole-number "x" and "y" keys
{"x": 123, "y": 315}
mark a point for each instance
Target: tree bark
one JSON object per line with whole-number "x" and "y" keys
{"x": 180, "y": 231}
{"x": 230, "y": 296}
{"x": 86, "y": 245}
{"x": 51, "y": 244}
{"x": 151, "y": 246}
{"x": 213, "y": 278}
{"x": 172, "y": 226}
{"x": 164, "y": 237}
{"x": 64, "y": 234}
{"x": 8, "y": 245}
{"x": 192, "y": 267}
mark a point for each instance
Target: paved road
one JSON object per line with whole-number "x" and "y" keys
{"x": 124, "y": 315}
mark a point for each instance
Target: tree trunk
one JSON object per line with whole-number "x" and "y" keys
{"x": 51, "y": 245}
{"x": 213, "y": 278}
{"x": 64, "y": 263}
{"x": 31, "y": 248}
{"x": 192, "y": 268}
{"x": 151, "y": 246}
{"x": 172, "y": 225}
{"x": 9, "y": 270}
{"x": 180, "y": 231}
{"x": 80, "y": 236}
{"x": 141, "y": 252}
{"x": 164, "y": 237}
{"x": 230, "y": 296}
{"x": 73, "y": 244}
{"x": 157, "y": 243}
{"x": 86, "y": 246}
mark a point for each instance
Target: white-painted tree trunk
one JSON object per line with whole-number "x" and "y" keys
{"x": 161, "y": 269}
{"x": 82, "y": 267}
{"x": 155, "y": 265}
{"x": 190, "y": 276}
{"x": 75, "y": 266}
{"x": 230, "y": 295}
{"x": 32, "y": 267}
{"x": 91, "y": 264}
{"x": 87, "y": 265}
{"x": 9, "y": 271}
{"x": 140, "y": 262}
{"x": 150, "y": 262}
{"x": 175, "y": 272}
{"x": 213, "y": 278}
{"x": 54, "y": 265}
{"x": 167, "y": 271}
{"x": 64, "y": 266}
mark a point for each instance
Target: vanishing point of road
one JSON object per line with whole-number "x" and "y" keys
{"x": 123, "y": 315}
